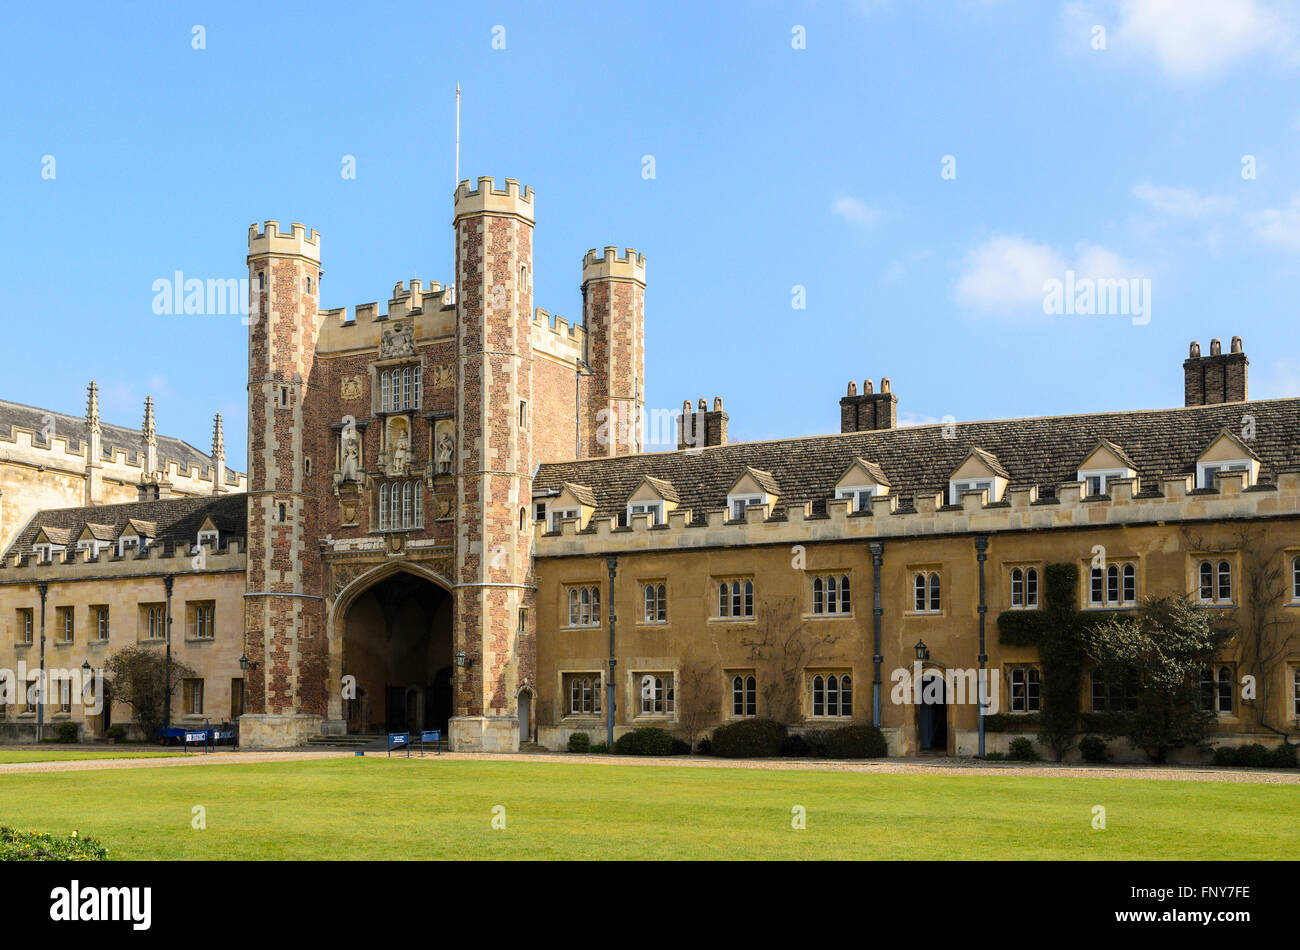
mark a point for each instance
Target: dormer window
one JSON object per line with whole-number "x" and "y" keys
{"x": 955, "y": 489}
{"x": 128, "y": 542}
{"x": 738, "y": 504}
{"x": 42, "y": 552}
{"x": 208, "y": 537}
{"x": 1094, "y": 482}
{"x": 561, "y": 515}
{"x": 753, "y": 488}
{"x": 655, "y": 509}
{"x": 859, "y": 496}
{"x": 1205, "y": 471}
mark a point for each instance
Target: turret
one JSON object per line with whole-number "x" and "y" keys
{"x": 494, "y": 616}
{"x": 613, "y": 300}
{"x": 218, "y": 456}
{"x": 284, "y": 623}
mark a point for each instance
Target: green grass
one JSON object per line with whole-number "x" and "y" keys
{"x": 375, "y": 808}
{"x": 47, "y": 754}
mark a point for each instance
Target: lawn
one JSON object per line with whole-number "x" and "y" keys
{"x": 64, "y": 754}
{"x": 375, "y": 808}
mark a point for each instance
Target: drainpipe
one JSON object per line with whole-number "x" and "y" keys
{"x": 167, "y": 662}
{"x": 43, "y": 588}
{"x": 612, "y": 562}
{"x": 877, "y": 549}
{"x": 981, "y": 555}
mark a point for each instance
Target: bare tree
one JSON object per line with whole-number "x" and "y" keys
{"x": 697, "y": 695}
{"x": 781, "y": 649}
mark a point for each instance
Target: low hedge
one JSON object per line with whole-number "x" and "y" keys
{"x": 856, "y": 742}
{"x": 1022, "y": 750}
{"x": 40, "y": 846}
{"x": 67, "y": 732}
{"x": 579, "y": 742}
{"x": 647, "y": 740}
{"x": 1256, "y": 756}
{"x": 749, "y": 739}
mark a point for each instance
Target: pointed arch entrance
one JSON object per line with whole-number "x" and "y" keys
{"x": 392, "y": 632}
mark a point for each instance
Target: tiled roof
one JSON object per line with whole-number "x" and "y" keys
{"x": 582, "y": 493}
{"x": 101, "y": 532}
{"x": 1043, "y": 451}
{"x": 665, "y": 489}
{"x": 990, "y": 461}
{"x": 112, "y": 437}
{"x": 175, "y": 521}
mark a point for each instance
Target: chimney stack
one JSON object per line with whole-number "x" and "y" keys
{"x": 870, "y": 410}
{"x": 1217, "y": 378}
{"x": 703, "y": 427}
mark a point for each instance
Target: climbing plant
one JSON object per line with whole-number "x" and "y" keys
{"x": 1059, "y": 633}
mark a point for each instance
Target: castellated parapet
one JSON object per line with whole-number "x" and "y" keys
{"x": 609, "y": 265}
{"x": 270, "y": 239}
{"x": 433, "y": 308}
{"x": 156, "y": 558}
{"x": 488, "y": 199}
{"x": 556, "y": 336}
{"x": 1022, "y": 510}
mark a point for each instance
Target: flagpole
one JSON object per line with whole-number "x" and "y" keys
{"x": 457, "y": 185}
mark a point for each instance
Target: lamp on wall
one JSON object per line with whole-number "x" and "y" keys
{"x": 922, "y": 651}
{"x": 462, "y": 661}
{"x": 246, "y": 664}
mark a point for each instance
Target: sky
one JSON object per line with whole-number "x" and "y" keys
{"x": 824, "y": 191}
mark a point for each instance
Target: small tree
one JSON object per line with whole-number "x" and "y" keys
{"x": 696, "y": 696}
{"x": 1161, "y": 651}
{"x": 138, "y": 677}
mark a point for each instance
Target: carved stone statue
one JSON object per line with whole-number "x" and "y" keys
{"x": 401, "y": 456}
{"x": 350, "y": 467}
{"x": 446, "y": 449}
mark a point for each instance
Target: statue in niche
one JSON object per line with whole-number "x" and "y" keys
{"x": 446, "y": 450}
{"x": 401, "y": 456}
{"x": 350, "y": 465}
{"x": 397, "y": 341}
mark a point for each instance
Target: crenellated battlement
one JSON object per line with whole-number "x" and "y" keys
{"x": 20, "y": 445}
{"x": 609, "y": 265}
{"x": 1021, "y": 510}
{"x": 181, "y": 559}
{"x": 271, "y": 240}
{"x": 488, "y": 199}
{"x": 558, "y": 337}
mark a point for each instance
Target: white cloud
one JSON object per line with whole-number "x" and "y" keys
{"x": 1193, "y": 39}
{"x": 1007, "y": 271}
{"x": 1183, "y": 202}
{"x": 854, "y": 211}
{"x": 1279, "y": 226}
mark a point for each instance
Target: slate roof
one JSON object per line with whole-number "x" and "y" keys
{"x": 1043, "y": 451}
{"x": 177, "y": 520}
{"x": 112, "y": 437}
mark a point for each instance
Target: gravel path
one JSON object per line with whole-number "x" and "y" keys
{"x": 937, "y": 766}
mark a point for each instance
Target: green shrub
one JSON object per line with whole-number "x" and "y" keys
{"x": 1225, "y": 755}
{"x": 116, "y": 733}
{"x": 681, "y": 747}
{"x": 1253, "y": 756}
{"x": 1022, "y": 750}
{"x": 856, "y": 742}
{"x": 600, "y": 748}
{"x": 40, "y": 846}
{"x": 579, "y": 742}
{"x": 817, "y": 740}
{"x": 1284, "y": 757}
{"x": 1093, "y": 749}
{"x": 67, "y": 732}
{"x": 995, "y": 757}
{"x": 704, "y": 746}
{"x": 648, "y": 740}
{"x": 749, "y": 739}
{"x": 795, "y": 746}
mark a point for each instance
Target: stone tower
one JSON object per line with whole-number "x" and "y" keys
{"x": 284, "y": 623}
{"x": 494, "y": 616}
{"x": 613, "y": 293}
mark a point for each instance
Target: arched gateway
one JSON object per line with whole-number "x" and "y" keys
{"x": 391, "y": 634}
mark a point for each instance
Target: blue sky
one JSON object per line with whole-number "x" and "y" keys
{"x": 775, "y": 167}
